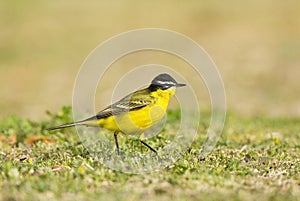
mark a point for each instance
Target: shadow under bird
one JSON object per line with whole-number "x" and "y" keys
{"x": 136, "y": 112}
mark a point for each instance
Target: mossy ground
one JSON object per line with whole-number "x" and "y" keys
{"x": 257, "y": 158}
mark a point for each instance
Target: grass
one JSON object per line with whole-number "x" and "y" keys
{"x": 257, "y": 158}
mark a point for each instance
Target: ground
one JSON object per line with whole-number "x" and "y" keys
{"x": 255, "y": 45}
{"x": 257, "y": 158}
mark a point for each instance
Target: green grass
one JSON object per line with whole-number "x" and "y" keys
{"x": 257, "y": 158}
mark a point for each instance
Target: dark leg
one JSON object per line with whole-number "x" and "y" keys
{"x": 116, "y": 141}
{"x": 144, "y": 143}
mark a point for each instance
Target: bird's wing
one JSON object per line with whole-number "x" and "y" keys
{"x": 133, "y": 101}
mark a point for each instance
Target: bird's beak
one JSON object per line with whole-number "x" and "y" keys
{"x": 180, "y": 85}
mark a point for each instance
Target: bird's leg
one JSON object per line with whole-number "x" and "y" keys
{"x": 116, "y": 141}
{"x": 144, "y": 143}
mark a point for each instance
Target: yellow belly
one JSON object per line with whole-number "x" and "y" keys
{"x": 137, "y": 121}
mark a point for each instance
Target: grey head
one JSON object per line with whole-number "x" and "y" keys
{"x": 164, "y": 81}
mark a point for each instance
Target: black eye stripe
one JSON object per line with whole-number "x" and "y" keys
{"x": 163, "y": 81}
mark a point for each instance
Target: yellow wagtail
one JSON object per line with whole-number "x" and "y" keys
{"x": 136, "y": 112}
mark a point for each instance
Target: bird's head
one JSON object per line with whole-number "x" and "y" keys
{"x": 165, "y": 82}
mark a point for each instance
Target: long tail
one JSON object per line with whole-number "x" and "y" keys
{"x": 66, "y": 125}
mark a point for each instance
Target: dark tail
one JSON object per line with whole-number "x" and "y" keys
{"x": 67, "y": 125}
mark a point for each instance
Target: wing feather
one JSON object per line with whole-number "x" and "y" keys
{"x": 133, "y": 101}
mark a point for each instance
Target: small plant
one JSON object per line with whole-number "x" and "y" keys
{"x": 256, "y": 158}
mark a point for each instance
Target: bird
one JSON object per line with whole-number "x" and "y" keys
{"x": 136, "y": 112}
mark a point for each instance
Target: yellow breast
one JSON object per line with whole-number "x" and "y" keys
{"x": 137, "y": 121}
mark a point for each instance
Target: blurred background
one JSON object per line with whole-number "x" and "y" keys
{"x": 255, "y": 44}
